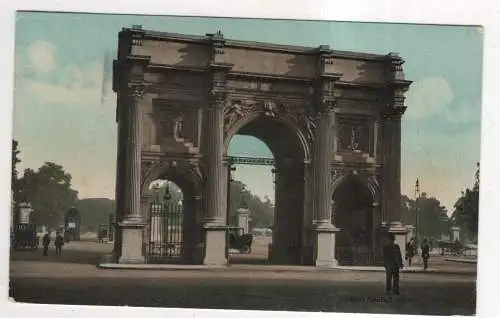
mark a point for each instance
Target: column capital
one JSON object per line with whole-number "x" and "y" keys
{"x": 393, "y": 112}
{"x": 218, "y": 99}
{"x": 136, "y": 91}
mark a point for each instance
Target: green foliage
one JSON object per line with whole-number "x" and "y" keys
{"x": 49, "y": 192}
{"x": 466, "y": 213}
{"x": 15, "y": 161}
{"x": 433, "y": 220}
{"x": 93, "y": 212}
{"x": 262, "y": 212}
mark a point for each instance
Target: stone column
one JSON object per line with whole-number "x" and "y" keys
{"x": 325, "y": 231}
{"x": 215, "y": 223}
{"x": 393, "y": 180}
{"x": 392, "y": 114}
{"x": 132, "y": 225}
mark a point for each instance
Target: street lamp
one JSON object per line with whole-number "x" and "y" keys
{"x": 230, "y": 168}
{"x": 417, "y": 196}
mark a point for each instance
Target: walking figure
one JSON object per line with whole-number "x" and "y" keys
{"x": 59, "y": 242}
{"x": 393, "y": 262}
{"x": 100, "y": 235}
{"x": 46, "y": 242}
{"x": 425, "y": 253}
{"x": 410, "y": 251}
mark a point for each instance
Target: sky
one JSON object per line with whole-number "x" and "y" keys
{"x": 65, "y": 110}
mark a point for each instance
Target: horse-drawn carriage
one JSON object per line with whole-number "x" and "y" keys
{"x": 25, "y": 237}
{"x": 240, "y": 242}
{"x": 451, "y": 247}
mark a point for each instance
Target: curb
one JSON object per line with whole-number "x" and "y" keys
{"x": 271, "y": 268}
{"x": 462, "y": 260}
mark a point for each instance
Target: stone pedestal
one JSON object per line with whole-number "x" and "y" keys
{"x": 400, "y": 232}
{"x": 455, "y": 233}
{"x": 325, "y": 245}
{"x": 215, "y": 246}
{"x": 411, "y": 232}
{"x": 132, "y": 242}
{"x": 243, "y": 221}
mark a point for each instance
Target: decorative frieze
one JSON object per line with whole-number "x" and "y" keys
{"x": 296, "y": 113}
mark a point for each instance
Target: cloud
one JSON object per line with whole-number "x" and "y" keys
{"x": 428, "y": 96}
{"x": 41, "y": 55}
{"x": 464, "y": 113}
{"x": 41, "y": 78}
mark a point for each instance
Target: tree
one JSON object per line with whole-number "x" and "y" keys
{"x": 15, "y": 161}
{"x": 466, "y": 213}
{"x": 49, "y": 192}
{"x": 262, "y": 212}
{"x": 433, "y": 220}
{"x": 93, "y": 212}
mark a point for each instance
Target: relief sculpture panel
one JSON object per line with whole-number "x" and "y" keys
{"x": 177, "y": 125}
{"x": 354, "y": 135}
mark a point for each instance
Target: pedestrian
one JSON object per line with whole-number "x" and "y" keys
{"x": 99, "y": 236}
{"x": 425, "y": 253}
{"x": 410, "y": 251}
{"x": 46, "y": 242}
{"x": 393, "y": 262}
{"x": 59, "y": 242}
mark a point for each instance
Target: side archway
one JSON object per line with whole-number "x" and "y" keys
{"x": 187, "y": 216}
{"x": 354, "y": 199}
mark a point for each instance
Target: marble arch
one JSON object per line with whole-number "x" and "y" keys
{"x": 181, "y": 98}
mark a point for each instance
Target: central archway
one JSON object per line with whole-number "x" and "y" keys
{"x": 289, "y": 150}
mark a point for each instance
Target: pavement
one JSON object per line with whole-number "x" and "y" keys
{"x": 279, "y": 268}
{"x": 75, "y": 279}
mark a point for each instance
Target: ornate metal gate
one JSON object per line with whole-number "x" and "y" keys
{"x": 165, "y": 232}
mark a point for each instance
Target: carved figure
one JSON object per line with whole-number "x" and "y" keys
{"x": 354, "y": 139}
{"x": 235, "y": 111}
{"x": 269, "y": 109}
{"x": 179, "y": 128}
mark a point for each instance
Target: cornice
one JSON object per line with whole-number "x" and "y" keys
{"x": 263, "y": 46}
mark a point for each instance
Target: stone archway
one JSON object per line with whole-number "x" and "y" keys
{"x": 187, "y": 177}
{"x": 353, "y": 211}
{"x": 291, "y": 154}
{"x": 180, "y": 98}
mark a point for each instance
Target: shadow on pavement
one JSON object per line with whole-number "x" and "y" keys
{"x": 425, "y": 298}
{"x": 74, "y": 256}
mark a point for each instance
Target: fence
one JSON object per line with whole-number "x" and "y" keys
{"x": 165, "y": 239}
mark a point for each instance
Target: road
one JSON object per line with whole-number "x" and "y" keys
{"x": 74, "y": 279}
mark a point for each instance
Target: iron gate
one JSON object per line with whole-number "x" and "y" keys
{"x": 165, "y": 232}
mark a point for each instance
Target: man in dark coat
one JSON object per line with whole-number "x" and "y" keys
{"x": 425, "y": 253}
{"x": 393, "y": 261}
{"x": 410, "y": 248}
{"x": 59, "y": 243}
{"x": 46, "y": 242}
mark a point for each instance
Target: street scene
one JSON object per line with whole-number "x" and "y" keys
{"x": 208, "y": 163}
{"x": 74, "y": 278}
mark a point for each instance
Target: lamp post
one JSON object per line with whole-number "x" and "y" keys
{"x": 417, "y": 196}
{"x": 230, "y": 168}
